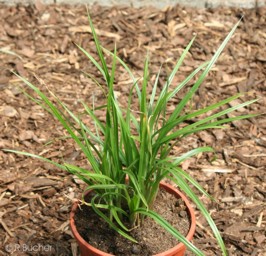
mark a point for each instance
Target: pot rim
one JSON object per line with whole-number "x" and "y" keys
{"x": 170, "y": 189}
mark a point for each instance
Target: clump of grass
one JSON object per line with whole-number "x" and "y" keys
{"x": 137, "y": 144}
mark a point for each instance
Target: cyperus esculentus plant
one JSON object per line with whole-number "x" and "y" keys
{"x": 137, "y": 144}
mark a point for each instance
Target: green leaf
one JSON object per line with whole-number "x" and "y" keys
{"x": 189, "y": 192}
{"x": 191, "y": 153}
{"x": 153, "y": 94}
{"x": 195, "y": 87}
{"x": 99, "y": 51}
{"x": 166, "y": 225}
{"x": 89, "y": 56}
{"x": 112, "y": 225}
{"x": 134, "y": 80}
{"x": 175, "y": 69}
{"x": 37, "y": 157}
{"x": 134, "y": 181}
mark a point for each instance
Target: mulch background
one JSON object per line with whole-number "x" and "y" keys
{"x": 36, "y": 197}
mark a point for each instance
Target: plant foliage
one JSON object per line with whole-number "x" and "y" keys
{"x": 137, "y": 144}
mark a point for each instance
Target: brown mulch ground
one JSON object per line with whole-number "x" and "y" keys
{"x": 36, "y": 198}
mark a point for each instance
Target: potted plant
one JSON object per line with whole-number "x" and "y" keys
{"x": 129, "y": 152}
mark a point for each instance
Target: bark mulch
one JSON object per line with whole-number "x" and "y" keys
{"x": 36, "y": 197}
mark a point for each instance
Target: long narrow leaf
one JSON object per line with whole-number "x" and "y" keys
{"x": 199, "y": 123}
{"x": 154, "y": 89}
{"x": 191, "y": 153}
{"x": 166, "y": 225}
{"x": 185, "y": 187}
{"x": 37, "y": 157}
{"x": 188, "y": 96}
{"x": 99, "y": 51}
{"x": 56, "y": 113}
{"x": 176, "y": 67}
{"x": 134, "y": 80}
{"x": 89, "y": 56}
{"x": 103, "y": 216}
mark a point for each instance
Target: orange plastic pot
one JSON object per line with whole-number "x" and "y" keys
{"x": 178, "y": 250}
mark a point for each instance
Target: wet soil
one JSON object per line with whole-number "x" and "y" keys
{"x": 37, "y": 42}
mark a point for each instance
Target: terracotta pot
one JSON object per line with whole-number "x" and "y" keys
{"x": 179, "y": 250}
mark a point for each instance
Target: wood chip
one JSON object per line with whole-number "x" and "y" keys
{"x": 216, "y": 169}
{"x": 8, "y": 111}
{"x": 99, "y": 32}
{"x": 233, "y": 81}
{"x": 36, "y": 182}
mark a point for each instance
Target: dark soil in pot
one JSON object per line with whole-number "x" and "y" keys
{"x": 151, "y": 236}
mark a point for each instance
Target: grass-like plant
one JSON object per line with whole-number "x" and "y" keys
{"x": 137, "y": 144}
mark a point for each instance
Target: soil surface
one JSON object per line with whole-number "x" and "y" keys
{"x": 152, "y": 238}
{"x": 37, "y": 42}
